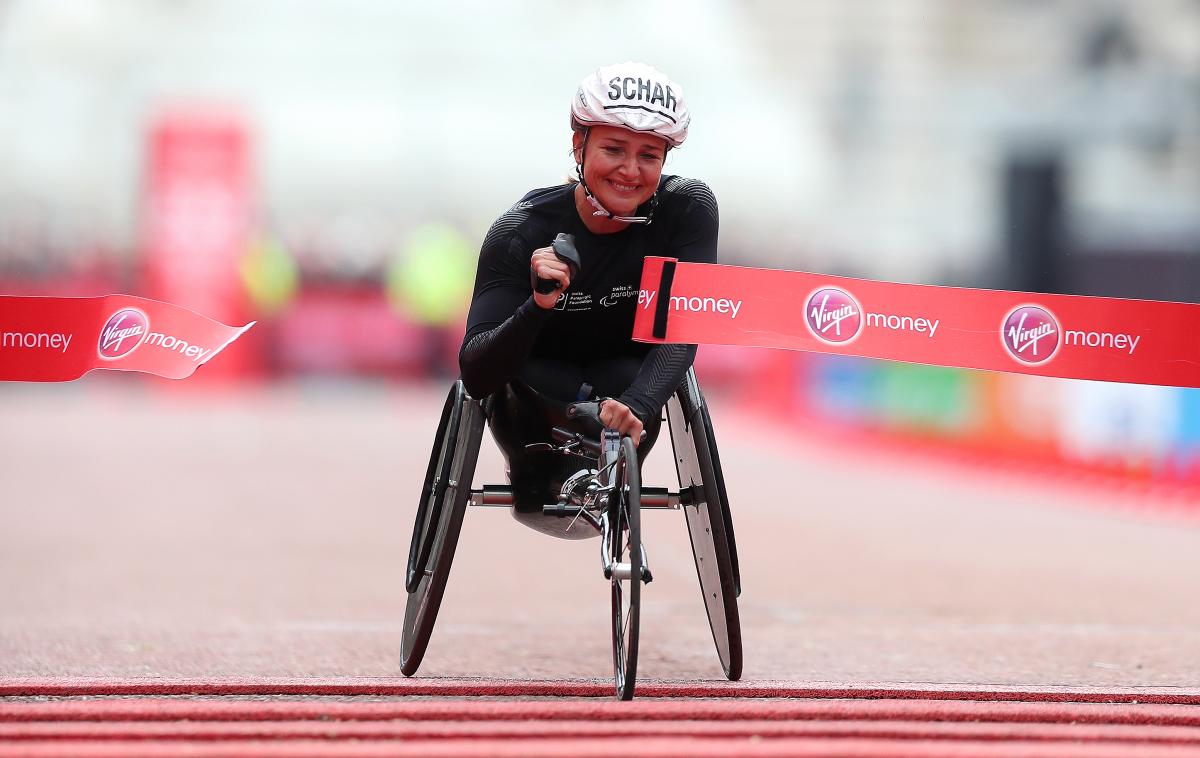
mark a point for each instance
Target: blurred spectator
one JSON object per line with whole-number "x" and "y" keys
{"x": 429, "y": 282}
{"x": 269, "y": 274}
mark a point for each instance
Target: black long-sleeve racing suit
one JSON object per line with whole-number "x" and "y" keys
{"x": 586, "y": 337}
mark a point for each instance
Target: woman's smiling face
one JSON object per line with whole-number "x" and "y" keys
{"x": 622, "y": 168}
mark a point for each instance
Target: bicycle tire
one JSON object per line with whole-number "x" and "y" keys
{"x": 626, "y": 547}
{"x": 421, "y": 609}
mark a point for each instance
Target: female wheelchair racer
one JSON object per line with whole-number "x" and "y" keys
{"x": 552, "y": 312}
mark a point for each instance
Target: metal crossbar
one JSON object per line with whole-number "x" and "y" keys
{"x": 500, "y": 496}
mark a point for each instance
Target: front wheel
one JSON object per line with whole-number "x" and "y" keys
{"x": 625, "y": 556}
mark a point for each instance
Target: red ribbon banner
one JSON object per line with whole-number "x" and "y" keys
{"x": 57, "y": 339}
{"x": 1109, "y": 339}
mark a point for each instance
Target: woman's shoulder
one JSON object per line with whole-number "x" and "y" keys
{"x": 673, "y": 184}
{"x": 685, "y": 195}
{"x": 547, "y": 196}
{"x": 544, "y": 201}
{"x": 533, "y": 211}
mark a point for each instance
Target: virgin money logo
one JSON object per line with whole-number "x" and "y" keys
{"x": 833, "y": 315}
{"x": 1031, "y": 334}
{"x": 123, "y": 332}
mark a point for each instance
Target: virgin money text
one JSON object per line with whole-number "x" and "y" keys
{"x": 903, "y": 323}
{"x": 195, "y": 352}
{"x": 37, "y": 340}
{"x": 1102, "y": 339}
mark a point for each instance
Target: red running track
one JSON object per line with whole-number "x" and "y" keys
{"x": 480, "y": 687}
{"x": 82, "y": 717}
{"x": 203, "y": 623}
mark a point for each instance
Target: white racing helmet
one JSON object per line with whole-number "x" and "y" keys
{"x": 631, "y": 96}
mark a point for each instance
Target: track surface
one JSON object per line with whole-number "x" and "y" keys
{"x": 891, "y": 606}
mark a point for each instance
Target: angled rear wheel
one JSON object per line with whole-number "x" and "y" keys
{"x": 705, "y": 508}
{"x": 440, "y": 510}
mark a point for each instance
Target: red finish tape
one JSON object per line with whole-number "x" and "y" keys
{"x": 1108, "y": 339}
{"x": 57, "y": 339}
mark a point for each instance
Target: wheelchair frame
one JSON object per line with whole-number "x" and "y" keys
{"x": 701, "y": 496}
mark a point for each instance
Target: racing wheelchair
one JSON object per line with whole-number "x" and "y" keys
{"x": 604, "y": 497}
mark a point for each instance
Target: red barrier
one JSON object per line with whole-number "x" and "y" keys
{"x": 195, "y": 216}
{"x": 1109, "y": 339}
{"x": 57, "y": 339}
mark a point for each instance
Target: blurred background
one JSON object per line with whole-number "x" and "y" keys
{"x": 330, "y": 168}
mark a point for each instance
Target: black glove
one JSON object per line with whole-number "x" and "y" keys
{"x": 564, "y": 248}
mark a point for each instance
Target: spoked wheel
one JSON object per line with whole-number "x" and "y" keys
{"x": 443, "y": 502}
{"x": 705, "y": 507}
{"x": 625, "y": 553}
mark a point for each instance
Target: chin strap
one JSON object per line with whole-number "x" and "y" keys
{"x": 600, "y": 209}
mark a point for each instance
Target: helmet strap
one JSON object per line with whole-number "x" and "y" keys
{"x": 600, "y": 209}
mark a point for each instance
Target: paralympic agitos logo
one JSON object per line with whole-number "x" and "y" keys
{"x": 833, "y": 315}
{"x": 122, "y": 333}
